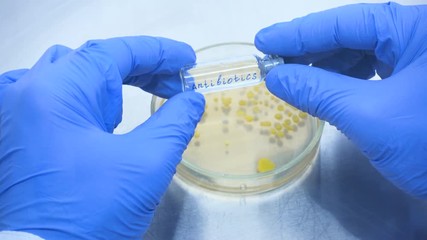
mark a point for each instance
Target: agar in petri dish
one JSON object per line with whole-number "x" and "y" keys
{"x": 241, "y": 126}
{"x": 247, "y": 137}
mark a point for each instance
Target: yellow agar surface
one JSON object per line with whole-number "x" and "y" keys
{"x": 265, "y": 124}
{"x": 242, "y": 126}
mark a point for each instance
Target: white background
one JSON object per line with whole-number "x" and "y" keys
{"x": 28, "y": 28}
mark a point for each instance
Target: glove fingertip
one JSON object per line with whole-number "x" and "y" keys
{"x": 263, "y": 41}
{"x": 300, "y": 86}
{"x": 52, "y": 54}
{"x": 175, "y": 120}
{"x": 184, "y": 108}
{"x": 12, "y": 76}
{"x": 276, "y": 81}
{"x": 195, "y": 102}
{"x": 174, "y": 55}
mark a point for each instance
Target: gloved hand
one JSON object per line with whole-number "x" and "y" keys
{"x": 63, "y": 174}
{"x": 386, "y": 119}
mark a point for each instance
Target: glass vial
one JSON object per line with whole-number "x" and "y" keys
{"x": 227, "y": 74}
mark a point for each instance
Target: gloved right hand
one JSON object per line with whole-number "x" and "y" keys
{"x": 386, "y": 119}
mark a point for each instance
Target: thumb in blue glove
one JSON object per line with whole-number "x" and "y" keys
{"x": 63, "y": 174}
{"x": 385, "y": 119}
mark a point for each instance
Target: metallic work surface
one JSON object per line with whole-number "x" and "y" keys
{"x": 341, "y": 197}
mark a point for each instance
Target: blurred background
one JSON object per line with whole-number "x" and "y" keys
{"x": 342, "y": 198}
{"x": 29, "y": 27}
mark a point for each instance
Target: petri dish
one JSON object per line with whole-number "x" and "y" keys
{"x": 248, "y": 140}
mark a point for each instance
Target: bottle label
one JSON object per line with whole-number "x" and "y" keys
{"x": 224, "y": 81}
{"x": 219, "y": 76}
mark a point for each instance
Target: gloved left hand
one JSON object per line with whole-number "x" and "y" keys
{"x": 63, "y": 175}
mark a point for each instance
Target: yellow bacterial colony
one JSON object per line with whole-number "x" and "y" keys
{"x": 246, "y": 131}
{"x": 265, "y": 165}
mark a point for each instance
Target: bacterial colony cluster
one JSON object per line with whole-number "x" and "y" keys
{"x": 248, "y": 131}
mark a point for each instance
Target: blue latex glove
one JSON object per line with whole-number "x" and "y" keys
{"x": 386, "y": 119}
{"x": 63, "y": 175}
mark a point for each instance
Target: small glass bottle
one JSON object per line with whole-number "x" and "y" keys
{"x": 227, "y": 74}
